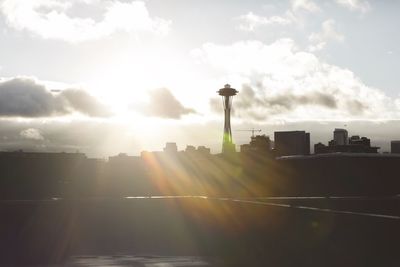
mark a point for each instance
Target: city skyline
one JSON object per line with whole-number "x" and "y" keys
{"x": 199, "y": 133}
{"x": 104, "y": 77}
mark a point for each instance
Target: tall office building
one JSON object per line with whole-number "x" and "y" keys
{"x": 395, "y": 147}
{"x": 292, "y": 143}
{"x": 341, "y": 137}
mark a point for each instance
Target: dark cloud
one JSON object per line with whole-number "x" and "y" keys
{"x": 25, "y": 97}
{"x": 258, "y": 105}
{"x": 84, "y": 103}
{"x": 290, "y": 101}
{"x": 163, "y": 104}
{"x": 248, "y": 98}
{"x": 356, "y": 106}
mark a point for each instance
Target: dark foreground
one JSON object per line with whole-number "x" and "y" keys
{"x": 197, "y": 231}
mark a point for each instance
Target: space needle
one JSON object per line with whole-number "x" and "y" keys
{"x": 227, "y": 94}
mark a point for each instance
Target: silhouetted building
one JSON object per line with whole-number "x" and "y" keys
{"x": 292, "y": 143}
{"x": 395, "y": 147}
{"x": 245, "y": 148}
{"x": 190, "y": 149}
{"x": 123, "y": 159}
{"x": 258, "y": 143}
{"x": 340, "y": 136}
{"x": 355, "y": 144}
{"x": 356, "y": 140}
{"x": 227, "y": 94}
{"x": 62, "y": 156}
{"x": 323, "y": 149}
{"x": 203, "y": 150}
{"x": 200, "y": 151}
{"x": 171, "y": 148}
{"x": 320, "y": 148}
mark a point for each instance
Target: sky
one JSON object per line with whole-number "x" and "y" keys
{"x": 110, "y": 76}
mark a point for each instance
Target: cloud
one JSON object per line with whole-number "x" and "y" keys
{"x": 51, "y": 19}
{"x": 251, "y": 21}
{"x": 163, "y": 104}
{"x": 32, "y": 134}
{"x": 319, "y": 40}
{"x": 26, "y": 97}
{"x": 286, "y": 100}
{"x": 307, "y": 5}
{"x": 282, "y": 82}
{"x": 249, "y": 104}
{"x": 355, "y": 5}
{"x": 84, "y": 103}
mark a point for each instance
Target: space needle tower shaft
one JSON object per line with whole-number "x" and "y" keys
{"x": 227, "y": 94}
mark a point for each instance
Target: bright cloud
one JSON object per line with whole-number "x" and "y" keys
{"x": 329, "y": 32}
{"x": 251, "y": 21}
{"x": 281, "y": 82}
{"x": 307, "y": 5}
{"x": 355, "y": 5}
{"x": 50, "y": 19}
{"x": 32, "y": 134}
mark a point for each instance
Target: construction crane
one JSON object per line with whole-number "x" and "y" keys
{"x": 250, "y": 130}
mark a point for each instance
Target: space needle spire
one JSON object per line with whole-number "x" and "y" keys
{"x": 227, "y": 94}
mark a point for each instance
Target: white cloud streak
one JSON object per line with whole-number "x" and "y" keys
{"x": 307, "y": 5}
{"x": 251, "y": 21}
{"x": 355, "y": 5}
{"x": 50, "y": 19}
{"x": 31, "y": 134}
{"x": 328, "y": 33}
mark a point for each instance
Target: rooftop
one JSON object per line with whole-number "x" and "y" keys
{"x": 341, "y": 155}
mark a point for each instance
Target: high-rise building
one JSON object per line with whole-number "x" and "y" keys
{"x": 355, "y": 144}
{"x": 171, "y": 148}
{"x": 341, "y": 137}
{"x": 292, "y": 143}
{"x": 395, "y": 147}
